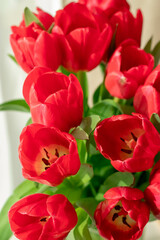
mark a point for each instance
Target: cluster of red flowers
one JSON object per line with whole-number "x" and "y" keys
{"x": 79, "y": 37}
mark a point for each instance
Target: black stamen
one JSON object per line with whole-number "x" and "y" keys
{"x": 43, "y": 219}
{"x": 46, "y": 153}
{"x": 134, "y": 137}
{"x": 122, "y": 139}
{"x": 115, "y": 216}
{"x": 46, "y": 168}
{"x": 125, "y": 222}
{"x": 126, "y": 151}
{"x": 45, "y": 161}
{"x": 117, "y": 207}
{"x": 56, "y": 153}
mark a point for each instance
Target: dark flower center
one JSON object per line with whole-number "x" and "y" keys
{"x": 128, "y": 145}
{"x": 119, "y": 214}
{"x": 44, "y": 219}
{"x": 47, "y": 160}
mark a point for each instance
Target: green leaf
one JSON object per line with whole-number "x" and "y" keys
{"x": 101, "y": 93}
{"x": 89, "y": 205}
{"x": 148, "y": 45}
{"x": 69, "y": 189}
{"x": 29, "y": 17}
{"x": 102, "y": 167}
{"x": 29, "y": 121}
{"x": 127, "y": 109}
{"x": 89, "y": 123}
{"x": 142, "y": 179}
{"x": 102, "y": 67}
{"x": 143, "y": 186}
{"x": 105, "y": 109}
{"x": 82, "y": 150}
{"x": 156, "y": 53}
{"x": 5, "y": 231}
{"x": 82, "y": 77}
{"x": 25, "y": 188}
{"x": 152, "y": 218}
{"x": 91, "y": 144}
{"x": 61, "y": 69}
{"x": 157, "y": 157}
{"x": 117, "y": 179}
{"x": 81, "y": 231}
{"x": 100, "y": 197}
{"x": 95, "y": 234}
{"x": 70, "y": 236}
{"x": 15, "y": 105}
{"x": 51, "y": 27}
{"x": 12, "y": 58}
{"x": 82, "y": 178}
{"x": 155, "y": 120}
{"x": 79, "y": 133}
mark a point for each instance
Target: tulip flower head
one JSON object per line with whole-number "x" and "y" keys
{"x": 127, "y": 70}
{"x": 109, "y": 7}
{"x": 84, "y": 42}
{"x": 40, "y": 216}
{"x": 34, "y": 45}
{"x": 128, "y": 141}
{"x": 122, "y": 215}
{"x": 55, "y": 99}
{"x": 126, "y": 26}
{"x": 152, "y": 192}
{"x": 147, "y": 97}
{"x": 47, "y": 155}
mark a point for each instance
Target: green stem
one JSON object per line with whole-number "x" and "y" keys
{"x": 82, "y": 77}
{"x": 101, "y": 91}
{"x": 43, "y": 189}
{"x": 102, "y": 87}
{"x": 100, "y": 97}
{"x": 92, "y": 189}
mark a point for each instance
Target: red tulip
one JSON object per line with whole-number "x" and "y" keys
{"x": 47, "y": 155}
{"x": 152, "y": 192}
{"x": 152, "y": 196}
{"x": 84, "y": 42}
{"x": 155, "y": 173}
{"x": 147, "y": 97}
{"x": 127, "y": 69}
{"x": 130, "y": 142}
{"x": 34, "y": 46}
{"x": 117, "y": 14}
{"x": 122, "y": 215}
{"x": 40, "y": 216}
{"x": 126, "y": 26}
{"x": 54, "y": 99}
{"x": 109, "y": 7}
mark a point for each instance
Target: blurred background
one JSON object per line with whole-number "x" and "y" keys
{"x": 12, "y": 78}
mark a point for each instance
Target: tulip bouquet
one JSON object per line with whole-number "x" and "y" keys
{"x": 93, "y": 172}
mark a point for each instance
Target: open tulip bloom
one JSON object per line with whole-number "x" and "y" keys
{"x": 122, "y": 215}
{"x": 40, "y": 216}
{"x": 128, "y": 141}
{"x": 53, "y": 155}
{"x": 91, "y": 172}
